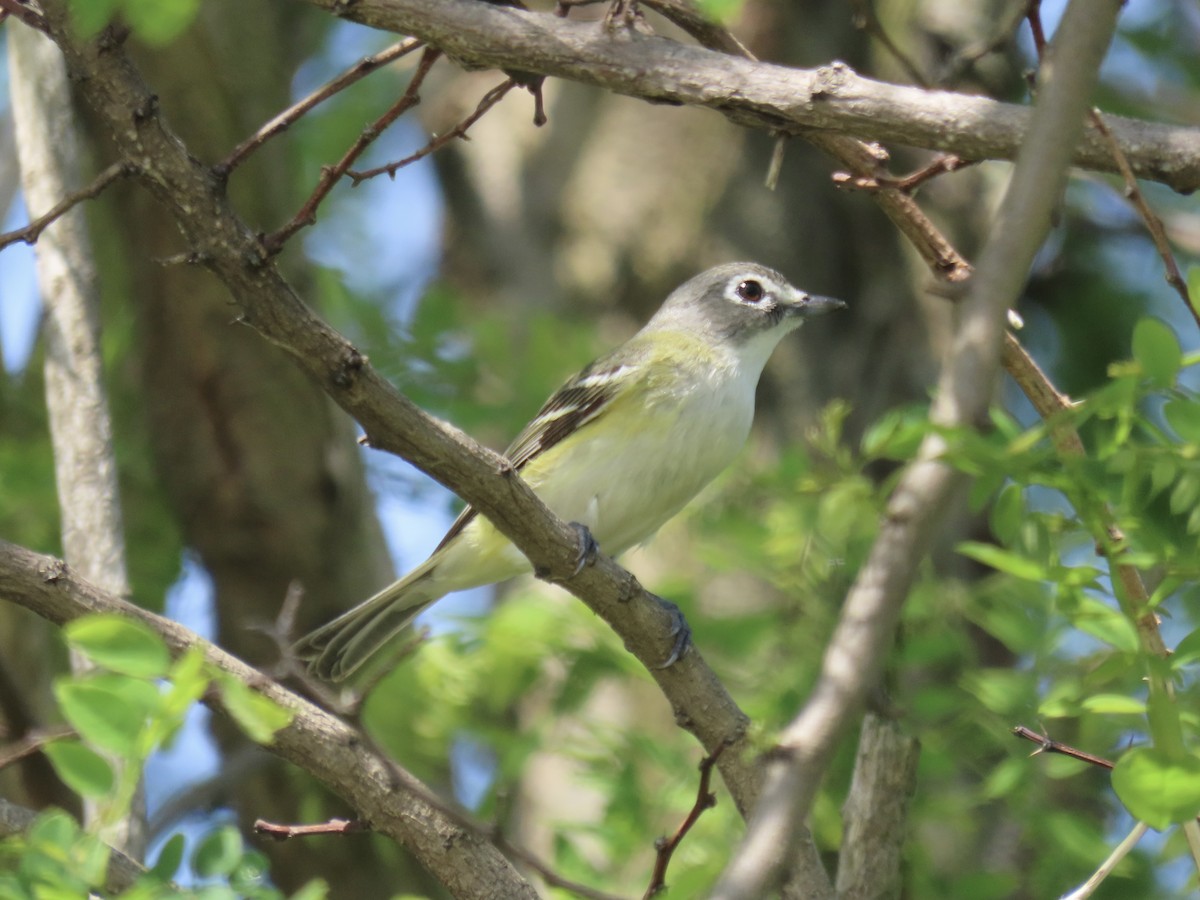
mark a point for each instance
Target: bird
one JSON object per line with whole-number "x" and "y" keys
{"x": 617, "y": 451}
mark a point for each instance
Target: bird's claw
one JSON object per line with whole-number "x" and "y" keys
{"x": 588, "y": 548}
{"x": 680, "y": 631}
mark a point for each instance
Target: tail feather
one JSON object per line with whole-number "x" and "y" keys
{"x": 335, "y": 651}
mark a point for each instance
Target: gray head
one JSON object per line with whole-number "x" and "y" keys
{"x": 738, "y": 302}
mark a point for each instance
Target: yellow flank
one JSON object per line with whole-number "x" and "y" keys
{"x": 672, "y": 433}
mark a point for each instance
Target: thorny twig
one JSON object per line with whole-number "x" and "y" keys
{"x": 705, "y": 799}
{"x": 1048, "y": 745}
{"x": 490, "y": 99}
{"x": 307, "y": 215}
{"x": 285, "y": 119}
{"x": 31, "y": 232}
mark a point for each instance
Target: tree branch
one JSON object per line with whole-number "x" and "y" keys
{"x": 395, "y": 802}
{"x": 832, "y": 99}
{"x": 222, "y": 242}
{"x": 85, "y": 468}
{"x": 855, "y": 654}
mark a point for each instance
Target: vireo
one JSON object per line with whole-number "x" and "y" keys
{"x": 620, "y": 448}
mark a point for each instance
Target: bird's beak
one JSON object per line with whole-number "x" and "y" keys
{"x": 806, "y": 306}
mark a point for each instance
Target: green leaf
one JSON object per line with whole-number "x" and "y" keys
{"x": 120, "y": 644}
{"x": 82, "y": 770}
{"x": 1115, "y": 705}
{"x": 1162, "y": 473}
{"x": 1007, "y": 513}
{"x": 1184, "y": 418}
{"x": 1003, "y": 560}
{"x": 1156, "y": 789}
{"x": 219, "y": 853}
{"x": 1104, "y": 623}
{"x": 258, "y": 716}
{"x": 109, "y": 712}
{"x": 1156, "y": 349}
{"x": 169, "y": 858}
{"x": 1185, "y": 493}
{"x": 1188, "y": 650}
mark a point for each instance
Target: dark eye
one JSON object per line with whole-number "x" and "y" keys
{"x": 750, "y": 292}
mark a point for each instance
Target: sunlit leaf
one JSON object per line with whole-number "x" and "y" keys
{"x": 1115, "y": 705}
{"x": 1157, "y": 789}
{"x": 82, "y": 770}
{"x": 219, "y": 852}
{"x": 1003, "y": 560}
{"x": 1157, "y": 351}
{"x": 120, "y": 644}
{"x": 258, "y": 716}
{"x": 107, "y": 712}
{"x": 1184, "y": 417}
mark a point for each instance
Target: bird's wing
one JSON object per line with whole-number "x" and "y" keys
{"x": 579, "y": 401}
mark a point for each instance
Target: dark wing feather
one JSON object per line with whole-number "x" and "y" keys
{"x": 571, "y": 407}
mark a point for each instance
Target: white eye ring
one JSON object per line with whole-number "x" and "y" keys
{"x": 749, "y": 292}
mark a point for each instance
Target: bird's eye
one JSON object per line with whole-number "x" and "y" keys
{"x": 750, "y": 292}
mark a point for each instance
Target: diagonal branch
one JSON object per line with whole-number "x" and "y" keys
{"x": 289, "y": 116}
{"x": 330, "y": 175}
{"x": 227, "y": 247}
{"x": 30, "y": 233}
{"x": 832, "y": 99}
{"x": 854, "y": 656}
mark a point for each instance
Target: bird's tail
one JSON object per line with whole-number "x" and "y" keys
{"x": 338, "y": 649}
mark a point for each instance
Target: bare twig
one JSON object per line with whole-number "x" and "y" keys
{"x": 307, "y": 214}
{"x": 666, "y": 847}
{"x": 288, "y": 117}
{"x": 865, "y": 20}
{"x": 1006, "y": 25}
{"x": 1046, "y": 744}
{"x": 905, "y": 184}
{"x": 31, "y": 232}
{"x": 31, "y": 743}
{"x": 490, "y": 99}
{"x": 287, "y": 832}
{"x": 1033, "y": 13}
{"x": 1154, "y": 224}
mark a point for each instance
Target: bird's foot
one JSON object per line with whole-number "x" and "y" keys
{"x": 680, "y": 631}
{"x": 586, "y": 553}
{"x": 588, "y": 548}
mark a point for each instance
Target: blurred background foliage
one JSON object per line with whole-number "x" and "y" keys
{"x": 477, "y": 282}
